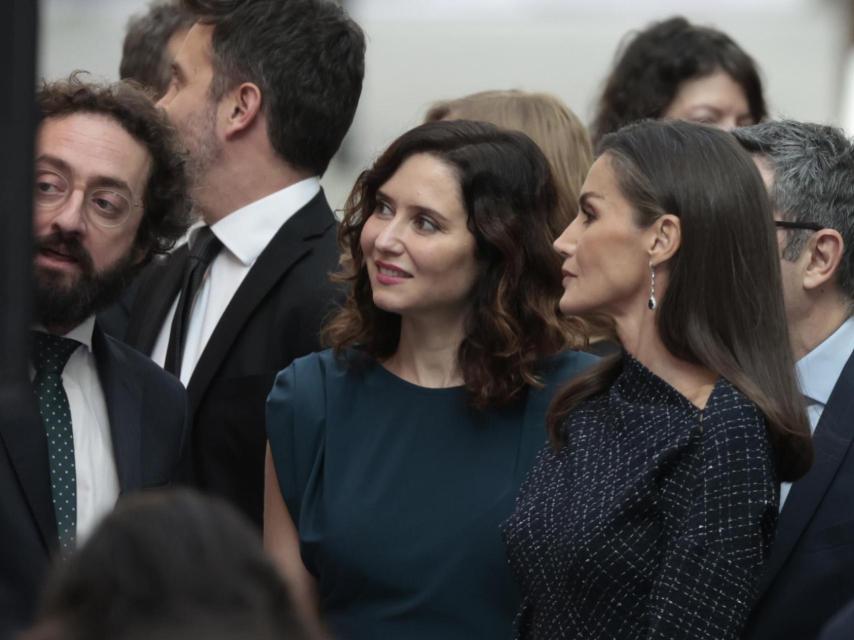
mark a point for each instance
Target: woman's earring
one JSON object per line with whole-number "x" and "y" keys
{"x": 653, "y": 303}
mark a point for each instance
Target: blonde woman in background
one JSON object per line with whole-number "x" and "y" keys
{"x": 547, "y": 121}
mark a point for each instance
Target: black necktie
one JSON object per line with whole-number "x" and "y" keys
{"x": 205, "y": 247}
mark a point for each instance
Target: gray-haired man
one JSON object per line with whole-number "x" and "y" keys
{"x": 809, "y": 171}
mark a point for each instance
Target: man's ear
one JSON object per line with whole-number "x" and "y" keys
{"x": 665, "y": 238}
{"x": 825, "y": 249}
{"x": 243, "y": 105}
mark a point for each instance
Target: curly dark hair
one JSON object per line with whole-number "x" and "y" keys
{"x": 306, "y": 56}
{"x": 652, "y": 65}
{"x": 509, "y": 195}
{"x": 165, "y": 202}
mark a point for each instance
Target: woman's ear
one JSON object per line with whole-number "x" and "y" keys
{"x": 665, "y": 238}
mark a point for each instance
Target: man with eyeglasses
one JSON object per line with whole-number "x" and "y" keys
{"x": 109, "y": 189}
{"x": 809, "y": 172}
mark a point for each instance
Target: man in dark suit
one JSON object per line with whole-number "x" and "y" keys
{"x": 262, "y": 94}
{"x": 810, "y": 574}
{"x": 104, "y": 420}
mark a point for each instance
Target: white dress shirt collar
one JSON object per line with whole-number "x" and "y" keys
{"x": 82, "y": 332}
{"x": 247, "y": 231}
{"x": 819, "y": 370}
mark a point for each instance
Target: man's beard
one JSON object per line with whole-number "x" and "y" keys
{"x": 203, "y": 150}
{"x": 58, "y": 303}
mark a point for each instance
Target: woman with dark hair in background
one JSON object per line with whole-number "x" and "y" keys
{"x": 395, "y": 456}
{"x": 674, "y": 69}
{"x": 653, "y": 512}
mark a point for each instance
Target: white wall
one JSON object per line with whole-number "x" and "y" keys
{"x": 423, "y": 50}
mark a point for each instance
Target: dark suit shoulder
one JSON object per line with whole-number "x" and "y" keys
{"x": 841, "y": 626}
{"x": 151, "y": 275}
{"x": 149, "y": 414}
{"x": 811, "y": 568}
{"x": 158, "y": 286}
{"x": 143, "y": 367}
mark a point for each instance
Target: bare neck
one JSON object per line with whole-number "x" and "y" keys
{"x": 427, "y": 352}
{"x": 640, "y": 336}
{"x": 818, "y": 322}
{"x": 238, "y": 182}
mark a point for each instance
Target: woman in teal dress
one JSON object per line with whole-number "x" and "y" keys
{"x": 395, "y": 456}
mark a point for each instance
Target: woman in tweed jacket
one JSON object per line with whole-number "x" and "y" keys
{"x": 652, "y": 513}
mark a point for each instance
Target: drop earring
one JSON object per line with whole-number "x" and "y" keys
{"x": 652, "y": 303}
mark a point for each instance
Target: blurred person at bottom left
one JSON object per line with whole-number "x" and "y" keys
{"x": 108, "y": 191}
{"x": 168, "y": 566}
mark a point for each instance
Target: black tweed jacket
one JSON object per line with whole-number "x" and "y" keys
{"x": 653, "y": 521}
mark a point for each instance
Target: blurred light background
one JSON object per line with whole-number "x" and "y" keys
{"x": 420, "y": 51}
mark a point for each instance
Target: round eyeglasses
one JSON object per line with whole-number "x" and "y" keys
{"x": 103, "y": 207}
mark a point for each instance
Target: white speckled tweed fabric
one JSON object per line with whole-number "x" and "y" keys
{"x": 652, "y": 522}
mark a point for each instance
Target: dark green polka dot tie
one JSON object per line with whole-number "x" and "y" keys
{"x": 50, "y": 354}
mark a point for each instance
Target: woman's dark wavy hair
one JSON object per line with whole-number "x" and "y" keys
{"x": 723, "y": 307}
{"x": 651, "y": 67}
{"x": 508, "y": 192}
{"x": 165, "y": 201}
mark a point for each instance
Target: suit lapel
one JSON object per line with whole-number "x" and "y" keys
{"x": 124, "y": 407}
{"x": 833, "y": 438}
{"x": 158, "y": 290}
{"x": 291, "y": 242}
{"x": 23, "y": 436}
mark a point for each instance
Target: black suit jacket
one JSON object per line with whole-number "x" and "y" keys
{"x": 841, "y": 626}
{"x": 810, "y": 573}
{"x": 274, "y": 317}
{"x": 147, "y": 410}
